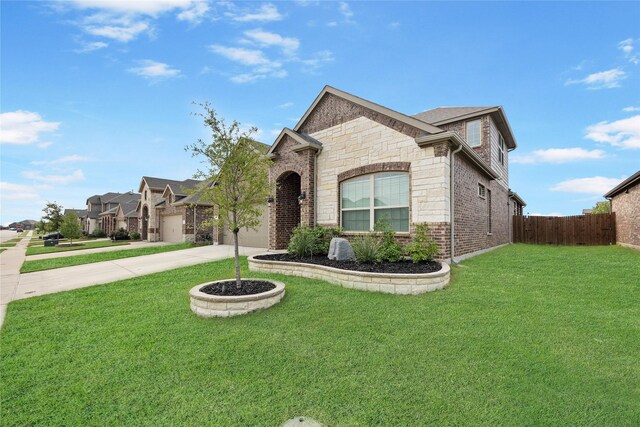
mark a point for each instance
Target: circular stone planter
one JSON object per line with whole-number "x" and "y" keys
{"x": 391, "y": 283}
{"x": 206, "y": 305}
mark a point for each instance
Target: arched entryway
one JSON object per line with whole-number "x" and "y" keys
{"x": 287, "y": 207}
{"x": 145, "y": 223}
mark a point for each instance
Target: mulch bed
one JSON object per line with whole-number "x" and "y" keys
{"x": 401, "y": 267}
{"x": 249, "y": 287}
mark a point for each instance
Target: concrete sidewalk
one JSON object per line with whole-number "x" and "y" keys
{"x": 17, "y": 286}
{"x": 10, "y": 262}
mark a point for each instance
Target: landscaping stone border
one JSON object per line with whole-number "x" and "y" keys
{"x": 206, "y": 305}
{"x": 401, "y": 284}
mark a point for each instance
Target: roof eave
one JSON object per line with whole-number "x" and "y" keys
{"x": 453, "y": 138}
{"x": 633, "y": 179}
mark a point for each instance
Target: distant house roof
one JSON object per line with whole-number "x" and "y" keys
{"x": 633, "y": 180}
{"x": 161, "y": 183}
{"x": 587, "y": 211}
{"x": 80, "y": 213}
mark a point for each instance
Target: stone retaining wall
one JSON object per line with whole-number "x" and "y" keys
{"x": 402, "y": 284}
{"x": 206, "y": 305}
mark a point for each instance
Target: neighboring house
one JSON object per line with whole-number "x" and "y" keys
{"x": 168, "y": 213}
{"x": 625, "y": 203}
{"x": 81, "y": 214}
{"x": 102, "y": 212}
{"x": 349, "y": 162}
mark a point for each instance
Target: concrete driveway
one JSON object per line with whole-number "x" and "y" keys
{"x": 15, "y": 286}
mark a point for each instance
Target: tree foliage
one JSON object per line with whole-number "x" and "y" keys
{"x": 236, "y": 176}
{"x": 70, "y": 226}
{"x": 601, "y": 208}
{"x": 52, "y": 218}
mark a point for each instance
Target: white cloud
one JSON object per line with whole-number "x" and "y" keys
{"x": 594, "y": 185}
{"x": 286, "y": 105}
{"x": 631, "y": 109}
{"x": 126, "y": 20}
{"x": 624, "y": 133}
{"x": 61, "y": 160}
{"x": 76, "y": 175}
{"x": 603, "y": 80}
{"x": 91, "y": 46}
{"x": 318, "y": 59}
{"x": 21, "y": 192}
{"x": 44, "y": 144}
{"x": 394, "y": 24}
{"x": 289, "y": 45}
{"x": 557, "y": 155}
{"x": 247, "y": 78}
{"x": 194, "y": 14}
{"x": 241, "y": 55}
{"x": 23, "y": 127}
{"x": 346, "y": 11}
{"x": 154, "y": 70}
{"x": 628, "y": 49}
{"x": 267, "y": 12}
{"x": 275, "y": 132}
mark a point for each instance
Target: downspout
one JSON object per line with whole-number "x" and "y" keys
{"x": 452, "y": 201}
{"x": 315, "y": 188}
{"x": 195, "y": 238}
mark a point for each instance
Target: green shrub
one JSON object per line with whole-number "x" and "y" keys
{"x": 134, "y": 235}
{"x": 423, "y": 247}
{"x": 307, "y": 241}
{"x": 98, "y": 232}
{"x": 121, "y": 234}
{"x": 366, "y": 248}
{"x": 390, "y": 250}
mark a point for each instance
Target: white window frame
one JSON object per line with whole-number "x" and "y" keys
{"x": 479, "y": 121}
{"x": 500, "y": 148}
{"x": 482, "y": 191}
{"x": 372, "y": 208}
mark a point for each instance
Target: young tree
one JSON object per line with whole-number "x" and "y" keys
{"x": 236, "y": 176}
{"x": 52, "y": 218}
{"x": 70, "y": 227}
{"x": 601, "y": 208}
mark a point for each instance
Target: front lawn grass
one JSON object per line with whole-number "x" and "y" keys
{"x": 47, "y": 264}
{"x": 7, "y": 245}
{"x": 38, "y": 250}
{"x": 524, "y": 335}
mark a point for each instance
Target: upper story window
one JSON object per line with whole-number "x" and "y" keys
{"x": 482, "y": 191}
{"x": 474, "y": 133}
{"x": 501, "y": 149}
{"x": 369, "y": 198}
{"x": 145, "y": 194}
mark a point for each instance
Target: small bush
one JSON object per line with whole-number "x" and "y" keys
{"x": 390, "y": 250}
{"x": 303, "y": 242}
{"x": 134, "y": 235}
{"x": 98, "y": 232}
{"x": 121, "y": 234}
{"x": 307, "y": 241}
{"x": 423, "y": 247}
{"x": 366, "y": 248}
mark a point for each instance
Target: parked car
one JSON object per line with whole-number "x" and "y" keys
{"x": 56, "y": 235}
{"x": 19, "y": 230}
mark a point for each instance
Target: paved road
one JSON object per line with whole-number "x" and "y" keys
{"x": 15, "y": 286}
{"x": 9, "y": 234}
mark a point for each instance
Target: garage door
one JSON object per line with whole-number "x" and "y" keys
{"x": 171, "y": 229}
{"x": 251, "y": 238}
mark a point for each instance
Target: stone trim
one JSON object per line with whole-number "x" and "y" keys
{"x": 399, "y": 284}
{"x": 205, "y": 305}
{"x": 373, "y": 168}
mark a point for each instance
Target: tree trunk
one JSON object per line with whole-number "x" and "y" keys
{"x": 236, "y": 250}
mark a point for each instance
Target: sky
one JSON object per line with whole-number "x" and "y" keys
{"x": 95, "y": 94}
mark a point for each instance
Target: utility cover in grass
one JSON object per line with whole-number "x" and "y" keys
{"x": 302, "y": 422}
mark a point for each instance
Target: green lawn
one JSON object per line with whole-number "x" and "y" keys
{"x": 525, "y": 335}
{"x": 37, "y": 250}
{"x": 47, "y": 264}
{"x": 7, "y": 245}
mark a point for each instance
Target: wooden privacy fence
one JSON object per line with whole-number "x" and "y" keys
{"x": 599, "y": 229}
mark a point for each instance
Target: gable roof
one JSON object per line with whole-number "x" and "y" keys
{"x": 161, "y": 183}
{"x": 411, "y": 121}
{"x": 444, "y": 115}
{"x": 633, "y": 180}
{"x": 305, "y": 141}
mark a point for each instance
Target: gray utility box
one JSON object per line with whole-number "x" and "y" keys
{"x": 51, "y": 242}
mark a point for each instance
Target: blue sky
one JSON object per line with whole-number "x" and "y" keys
{"x": 95, "y": 94}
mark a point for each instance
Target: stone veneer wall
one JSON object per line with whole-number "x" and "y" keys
{"x": 627, "y": 209}
{"x": 361, "y": 142}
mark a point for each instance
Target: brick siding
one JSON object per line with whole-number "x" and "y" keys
{"x": 627, "y": 209}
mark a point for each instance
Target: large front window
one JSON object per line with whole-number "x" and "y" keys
{"x": 369, "y": 198}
